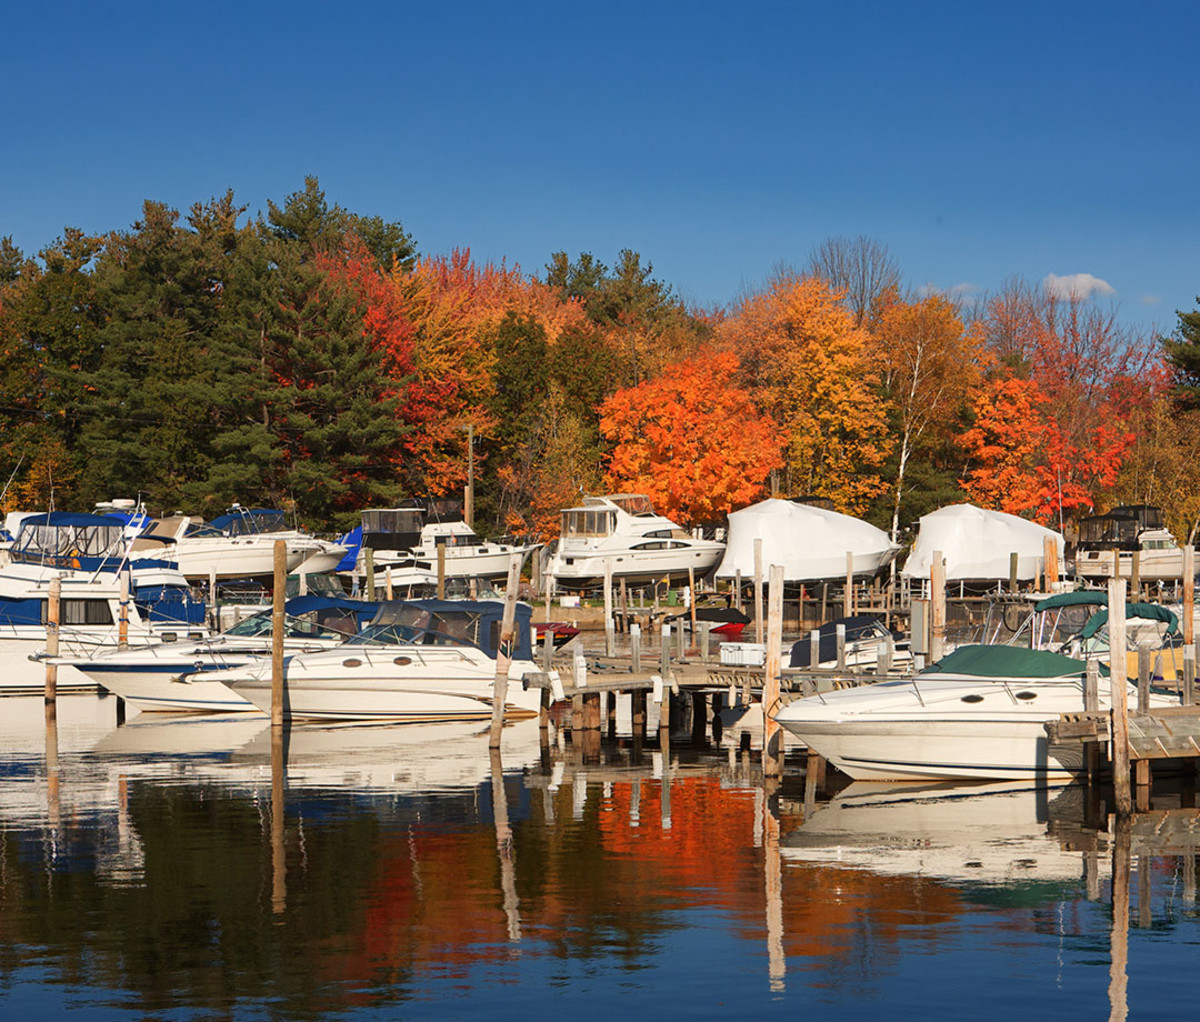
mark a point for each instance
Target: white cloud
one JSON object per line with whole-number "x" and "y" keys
{"x": 1151, "y": 299}
{"x": 1078, "y": 286}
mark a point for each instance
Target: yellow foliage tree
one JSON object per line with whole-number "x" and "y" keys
{"x": 817, "y": 374}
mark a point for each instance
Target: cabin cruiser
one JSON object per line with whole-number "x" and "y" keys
{"x": 87, "y": 554}
{"x": 1137, "y": 527}
{"x": 238, "y": 544}
{"x": 977, "y": 713}
{"x": 174, "y": 677}
{"x": 422, "y": 660}
{"x": 621, "y": 533}
{"x": 407, "y": 539}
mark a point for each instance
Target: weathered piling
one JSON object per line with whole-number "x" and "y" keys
{"x": 937, "y": 606}
{"x": 772, "y": 733}
{"x": 758, "y": 590}
{"x": 53, "y": 617}
{"x": 505, "y": 652}
{"x": 1119, "y": 688}
{"x": 278, "y": 597}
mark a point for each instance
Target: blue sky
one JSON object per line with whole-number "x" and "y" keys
{"x": 978, "y": 141}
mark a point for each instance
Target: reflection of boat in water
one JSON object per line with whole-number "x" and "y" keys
{"x": 977, "y": 713}
{"x": 986, "y": 833}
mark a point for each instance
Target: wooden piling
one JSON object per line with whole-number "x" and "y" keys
{"x": 1050, "y": 560}
{"x": 1013, "y": 569}
{"x": 1135, "y": 576}
{"x": 692, "y": 599}
{"x": 369, "y": 568}
{"x": 278, "y": 598}
{"x": 848, "y": 592}
{"x": 123, "y": 611}
{"x": 1189, "y": 593}
{"x": 814, "y": 649}
{"x": 1091, "y": 704}
{"x": 53, "y": 618}
{"x": 387, "y": 583}
{"x": 937, "y": 609}
{"x": 1188, "y": 695}
{"x": 441, "y": 583}
{"x": 635, "y": 648}
{"x": 840, "y": 639}
{"x": 507, "y": 637}
{"x": 1119, "y": 688}
{"x": 758, "y": 590}
{"x": 772, "y": 733}
{"x": 610, "y": 647}
{"x": 1141, "y": 768}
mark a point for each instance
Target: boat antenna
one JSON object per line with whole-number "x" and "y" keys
{"x": 12, "y": 476}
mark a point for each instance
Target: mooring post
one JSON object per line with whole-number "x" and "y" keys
{"x": 278, "y": 599}
{"x": 1091, "y": 704}
{"x": 772, "y": 732}
{"x": 610, "y": 641}
{"x": 758, "y": 589}
{"x": 814, "y": 649}
{"x": 840, "y": 639}
{"x": 1119, "y": 687}
{"x": 53, "y": 617}
{"x": 1013, "y": 568}
{"x": 848, "y": 592}
{"x": 441, "y": 590}
{"x": 1189, "y": 675}
{"x": 1142, "y": 767}
{"x": 123, "y": 611}
{"x": 635, "y": 648}
{"x": 1050, "y": 559}
{"x": 505, "y": 652}
{"x": 937, "y": 608}
{"x": 369, "y": 568}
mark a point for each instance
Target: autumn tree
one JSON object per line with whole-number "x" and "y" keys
{"x": 691, "y": 439}
{"x": 861, "y": 268}
{"x": 817, "y": 374}
{"x": 930, "y": 363}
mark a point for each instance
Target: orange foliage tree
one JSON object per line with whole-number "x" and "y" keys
{"x": 817, "y": 374}
{"x": 691, "y": 439}
{"x": 1023, "y": 462}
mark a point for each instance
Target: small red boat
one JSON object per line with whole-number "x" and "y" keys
{"x": 563, "y": 632}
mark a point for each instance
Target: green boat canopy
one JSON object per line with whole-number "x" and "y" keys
{"x": 1149, "y": 611}
{"x": 1008, "y": 662}
{"x": 1077, "y": 599}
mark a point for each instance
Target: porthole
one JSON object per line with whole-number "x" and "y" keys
{"x": 1026, "y": 695}
{"x": 402, "y": 661}
{"x": 352, "y": 663}
{"x": 972, "y": 698}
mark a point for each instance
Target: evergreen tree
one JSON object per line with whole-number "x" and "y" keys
{"x": 1183, "y": 353}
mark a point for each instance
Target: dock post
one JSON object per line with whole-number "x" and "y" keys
{"x": 1050, "y": 558}
{"x": 624, "y": 606}
{"x": 547, "y": 664}
{"x": 1142, "y": 776}
{"x": 388, "y": 588}
{"x": 814, "y": 649}
{"x": 1189, "y": 675}
{"x": 1119, "y": 687}
{"x": 1091, "y": 704}
{"x": 214, "y": 612}
{"x": 848, "y": 592}
{"x": 369, "y": 568}
{"x": 737, "y": 589}
{"x": 840, "y": 639}
{"x": 441, "y": 583}
{"x": 692, "y": 600}
{"x": 664, "y": 709}
{"x": 53, "y": 617}
{"x": 705, "y": 640}
{"x": 772, "y": 732}
{"x": 1013, "y": 562}
{"x": 1135, "y": 576}
{"x": 610, "y": 645}
{"x": 278, "y": 599}
{"x": 507, "y": 638}
{"x": 635, "y": 648}
{"x": 937, "y": 608}
{"x": 1189, "y": 593}
{"x": 123, "y": 611}
{"x": 758, "y": 589}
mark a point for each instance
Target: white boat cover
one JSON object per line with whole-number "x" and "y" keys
{"x": 809, "y": 542}
{"x": 977, "y": 544}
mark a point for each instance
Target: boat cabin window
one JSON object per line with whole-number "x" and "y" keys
{"x": 587, "y": 523}
{"x": 633, "y": 503}
{"x": 80, "y": 612}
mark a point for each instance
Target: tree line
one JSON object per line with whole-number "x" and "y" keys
{"x": 310, "y": 358}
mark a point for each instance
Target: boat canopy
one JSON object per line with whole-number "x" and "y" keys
{"x": 245, "y": 521}
{"x": 450, "y": 622}
{"x": 1148, "y": 611}
{"x": 1008, "y": 662}
{"x": 858, "y": 627}
{"x": 68, "y": 540}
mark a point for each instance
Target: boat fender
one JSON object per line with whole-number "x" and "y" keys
{"x": 657, "y": 693}
{"x": 556, "y": 686}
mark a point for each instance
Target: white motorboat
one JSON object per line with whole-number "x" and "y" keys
{"x": 623, "y": 534}
{"x": 174, "y": 677}
{"x": 239, "y": 544}
{"x": 1124, "y": 530}
{"x": 407, "y": 540}
{"x": 978, "y": 712}
{"x": 84, "y": 552}
{"x": 422, "y": 660}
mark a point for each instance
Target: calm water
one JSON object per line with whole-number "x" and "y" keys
{"x": 143, "y": 874}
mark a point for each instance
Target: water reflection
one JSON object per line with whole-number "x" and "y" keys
{"x": 222, "y": 867}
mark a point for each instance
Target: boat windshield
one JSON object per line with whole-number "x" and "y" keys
{"x": 413, "y": 624}
{"x": 588, "y": 523}
{"x": 633, "y": 503}
{"x": 305, "y": 627}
